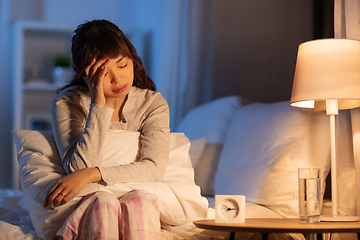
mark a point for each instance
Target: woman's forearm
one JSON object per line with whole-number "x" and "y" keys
{"x": 79, "y": 147}
{"x": 94, "y": 174}
{"x": 68, "y": 186}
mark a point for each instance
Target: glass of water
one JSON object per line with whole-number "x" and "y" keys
{"x": 309, "y": 195}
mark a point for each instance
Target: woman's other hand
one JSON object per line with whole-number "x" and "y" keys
{"x": 94, "y": 79}
{"x": 67, "y": 187}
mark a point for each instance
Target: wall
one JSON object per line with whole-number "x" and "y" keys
{"x": 255, "y": 45}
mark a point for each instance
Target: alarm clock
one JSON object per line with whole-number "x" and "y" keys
{"x": 229, "y": 208}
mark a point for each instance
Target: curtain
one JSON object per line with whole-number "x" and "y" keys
{"x": 173, "y": 56}
{"x": 198, "y": 88}
{"x": 347, "y": 19}
{"x": 184, "y": 78}
{"x": 347, "y": 25}
{"x": 8, "y": 169}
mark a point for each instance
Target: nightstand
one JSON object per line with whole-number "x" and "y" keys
{"x": 279, "y": 225}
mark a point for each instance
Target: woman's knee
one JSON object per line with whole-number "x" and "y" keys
{"x": 102, "y": 196}
{"x": 140, "y": 195}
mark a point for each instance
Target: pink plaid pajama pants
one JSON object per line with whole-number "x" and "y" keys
{"x": 102, "y": 216}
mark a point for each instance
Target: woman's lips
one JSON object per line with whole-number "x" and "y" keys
{"x": 120, "y": 89}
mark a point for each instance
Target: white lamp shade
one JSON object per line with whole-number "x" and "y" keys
{"x": 327, "y": 69}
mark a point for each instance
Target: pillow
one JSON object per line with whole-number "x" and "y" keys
{"x": 265, "y": 146}
{"x": 196, "y": 150}
{"x": 206, "y": 168}
{"x": 40, "y": 166}
{"x": 210, "y": 120}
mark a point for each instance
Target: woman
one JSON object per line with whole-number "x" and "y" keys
{"x": 110, "y": 91}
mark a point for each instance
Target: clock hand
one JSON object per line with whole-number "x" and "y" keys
{"x": 227, "y": 208}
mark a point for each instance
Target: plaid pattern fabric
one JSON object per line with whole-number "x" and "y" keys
{"x": 102, "y": 216}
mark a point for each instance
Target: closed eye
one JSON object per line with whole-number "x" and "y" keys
{"x": 120, "y": 60}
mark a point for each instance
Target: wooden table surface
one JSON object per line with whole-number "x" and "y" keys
{"x": 273, "y": 225}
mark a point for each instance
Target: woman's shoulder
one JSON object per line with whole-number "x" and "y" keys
{"x": 146, "y": 96}
{"x": 73, "y": 91}
{"x": 143, "y": 104}
{"x": 78, "y": 94}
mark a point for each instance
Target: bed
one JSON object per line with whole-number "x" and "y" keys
{"x": 16, "y": 222}
{"x": 234, "y": 148}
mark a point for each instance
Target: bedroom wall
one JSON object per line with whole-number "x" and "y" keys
{"x": 255, "y": 45}
{"x": 253, "y": 52}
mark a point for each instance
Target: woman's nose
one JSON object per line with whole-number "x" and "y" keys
{"x": 114, "y": 78}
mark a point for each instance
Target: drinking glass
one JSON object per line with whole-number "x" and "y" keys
{"x": 309, "y": 195}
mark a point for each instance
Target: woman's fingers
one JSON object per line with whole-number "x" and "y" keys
{"x": 55, "y": 196}
{"x": 59, "y": 199}
{"x": 95, "y": 68}
{"x": 87, "y": 70}
{"x": 94, "y": 79}
{"x": 90, "y": 72}
{"x": 100, "y": 78}
{"x": 68, "y": 186}
{"x": 49, "y": 192}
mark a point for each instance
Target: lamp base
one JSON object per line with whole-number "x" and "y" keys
{"x": 325, "y": 218}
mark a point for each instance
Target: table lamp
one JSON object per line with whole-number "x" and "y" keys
{"x": 327, "y": 77}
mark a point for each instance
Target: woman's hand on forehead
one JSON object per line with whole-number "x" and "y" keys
{"x": 94, "y": 80}
{"x": 95, "y": 65}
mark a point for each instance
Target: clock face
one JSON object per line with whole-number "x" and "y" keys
{"x": 228, "y": 209}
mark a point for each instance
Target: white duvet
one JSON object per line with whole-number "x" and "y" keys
{"x": 180, "y": 201}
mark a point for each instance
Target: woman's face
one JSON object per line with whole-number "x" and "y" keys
{"x": 118, "y": 77}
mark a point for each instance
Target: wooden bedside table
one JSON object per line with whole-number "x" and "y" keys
{"x": 279, "y": 225}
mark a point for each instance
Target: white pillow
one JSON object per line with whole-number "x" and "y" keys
{"x": 206, "y": 168}
{"x": 265, "y": 146}
{"x": 40, "y": 166}
{"x": 210, "y": 120}
{"x": 196, "y": 150}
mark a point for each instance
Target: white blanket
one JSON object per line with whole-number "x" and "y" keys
{"x": 15, "y": 222}
{"x": 180, "y": 201}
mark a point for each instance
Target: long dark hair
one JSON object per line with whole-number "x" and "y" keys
{"x": 101, "y": 39}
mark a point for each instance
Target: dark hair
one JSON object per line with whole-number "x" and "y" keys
{"x": 100, "y": 39}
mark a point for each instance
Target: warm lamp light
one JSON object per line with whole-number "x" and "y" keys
{"x": 327, "y": 77}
